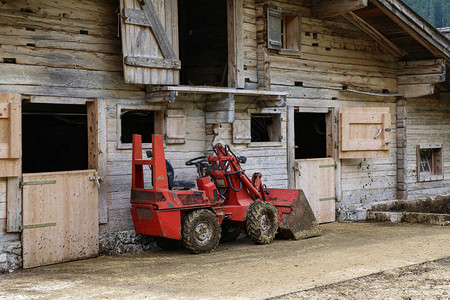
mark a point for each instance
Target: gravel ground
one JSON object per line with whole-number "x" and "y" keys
{"x": 430, "y": 280}
{"x": 315, "y": 268}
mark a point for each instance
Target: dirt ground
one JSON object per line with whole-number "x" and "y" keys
{"x": 430, "y": 280}
{"x": 332, "y": 266}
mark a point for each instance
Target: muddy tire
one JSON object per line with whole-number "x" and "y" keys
{"x": 168, "y": 244}
{"x": 261, "y": 222}
{"x": 229, "y": 232}
{"x": 200, "y": 231}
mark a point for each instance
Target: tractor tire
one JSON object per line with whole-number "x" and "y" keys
{"x": 168, "y": 244}
{"x": 261, "y": 222}
{"x": 200, "y": 231}
{"x": 229, "y": 232}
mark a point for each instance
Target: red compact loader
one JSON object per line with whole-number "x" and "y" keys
{"x": 227, "y": 201}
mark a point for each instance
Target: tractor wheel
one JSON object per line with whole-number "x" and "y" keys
{"x": 168, "y": 244}
{"x": 261, "y": 222}
{"x": 200, "y": 231}
{"x": 230, "y": 232}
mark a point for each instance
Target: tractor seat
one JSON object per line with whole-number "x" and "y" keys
{"x": 173, "y": 185}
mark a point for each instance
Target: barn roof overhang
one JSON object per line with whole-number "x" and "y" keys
{"x": 420, "y": 48}
{"x": 404, "y": 33}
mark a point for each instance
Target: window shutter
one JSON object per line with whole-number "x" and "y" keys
{"x": 150, "y": 42}
{"x": 175, "y": 126}
{"x": 10, "y": 135}
{"x": 364, "y": 132}
{"x": 274, "y": 29}
{"x": 241, "y": 128}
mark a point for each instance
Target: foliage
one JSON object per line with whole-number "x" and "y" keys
{"x": 436, "y": 12}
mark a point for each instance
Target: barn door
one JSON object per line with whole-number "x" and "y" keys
{"x": 60, "y": 217}
{"x": 316, "y": 178}
{"x": 314, "y": 164}
{"x": 150, "y": 41}
{"x": 60, "y": 182}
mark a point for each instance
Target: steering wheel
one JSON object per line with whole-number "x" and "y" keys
{"x": 196, "y": 161}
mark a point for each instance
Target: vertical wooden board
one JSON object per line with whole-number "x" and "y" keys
{"x": 41, "y": 246}
{"x": 92, "y": 127}
{"x": 316, "y": 177}
{"x": 15, "y": 135}
{"x": 71, "y": 204}
{"x": 102, "y": 161}
{"x": 14, "y": 204}
{"x": 241, "y": 128}
{"x": 175, "y": 126}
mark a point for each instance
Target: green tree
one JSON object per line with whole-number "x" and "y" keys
{"x": 436, "y": 12}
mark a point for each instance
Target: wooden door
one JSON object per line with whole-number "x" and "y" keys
{"x": 316, "y": 177}
{"x": 150, "y": 41}
{"x": 60, "y": 217}
{"x": 364, "y": 132}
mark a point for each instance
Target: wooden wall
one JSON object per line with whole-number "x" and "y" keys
{"x": 65, "y": 50}
{"x": 428, "y": 121}
{"x": 71, "y": 49}
{"x": 333, "y": 53}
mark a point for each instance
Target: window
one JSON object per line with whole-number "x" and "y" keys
{"x": 283, "y": 31}
{"x": 259, "y": 127}
{"x": 138, "y": 120}
{"x": 265, "y": 128}
{"x": 429, "y": 162}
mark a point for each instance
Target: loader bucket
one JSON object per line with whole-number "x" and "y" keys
{"x": 296, "y": 218}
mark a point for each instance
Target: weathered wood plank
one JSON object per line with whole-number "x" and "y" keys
{"x": 14, "y": 204}
{"x": 327, "y": 9}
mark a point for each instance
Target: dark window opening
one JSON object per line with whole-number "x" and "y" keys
{"x": 203, "y": 42}
{"x": 54, "y": 138}
{"x": 265, "y": 128}
{"x": 137, "y": 122}
{"x": 310, "y": 135}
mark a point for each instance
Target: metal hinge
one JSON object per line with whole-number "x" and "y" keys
{"x": 336, "y": 145}
{"x": 39, "y": 182}
{"x": 328, "y": 166}
{"x": 42, "y": 225}
{"x": 327, "y": 199}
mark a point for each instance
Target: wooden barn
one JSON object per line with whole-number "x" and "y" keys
{"x": 347, "y": 99}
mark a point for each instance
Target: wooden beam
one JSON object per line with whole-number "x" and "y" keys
{"x": 158, "y": 29}
{"x": 375, "y": 34}
{"x": 236, "y": 44}
{"x": 151, "y": 62}
{"x": 420, "y": 79}
{"x": 136, "y": 17}
{"x": 433, "y": 66}
{"x": 416, "y": 90}
{"x": 328, "y": 9}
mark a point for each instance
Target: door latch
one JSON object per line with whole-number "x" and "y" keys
{"x": 96, "y": 179}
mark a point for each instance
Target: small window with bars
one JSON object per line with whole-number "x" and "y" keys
{"x": 429, "y": 163}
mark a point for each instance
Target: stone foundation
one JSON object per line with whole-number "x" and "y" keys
{"x": 125, "y": 242}
{"x": 10, "y": 256}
